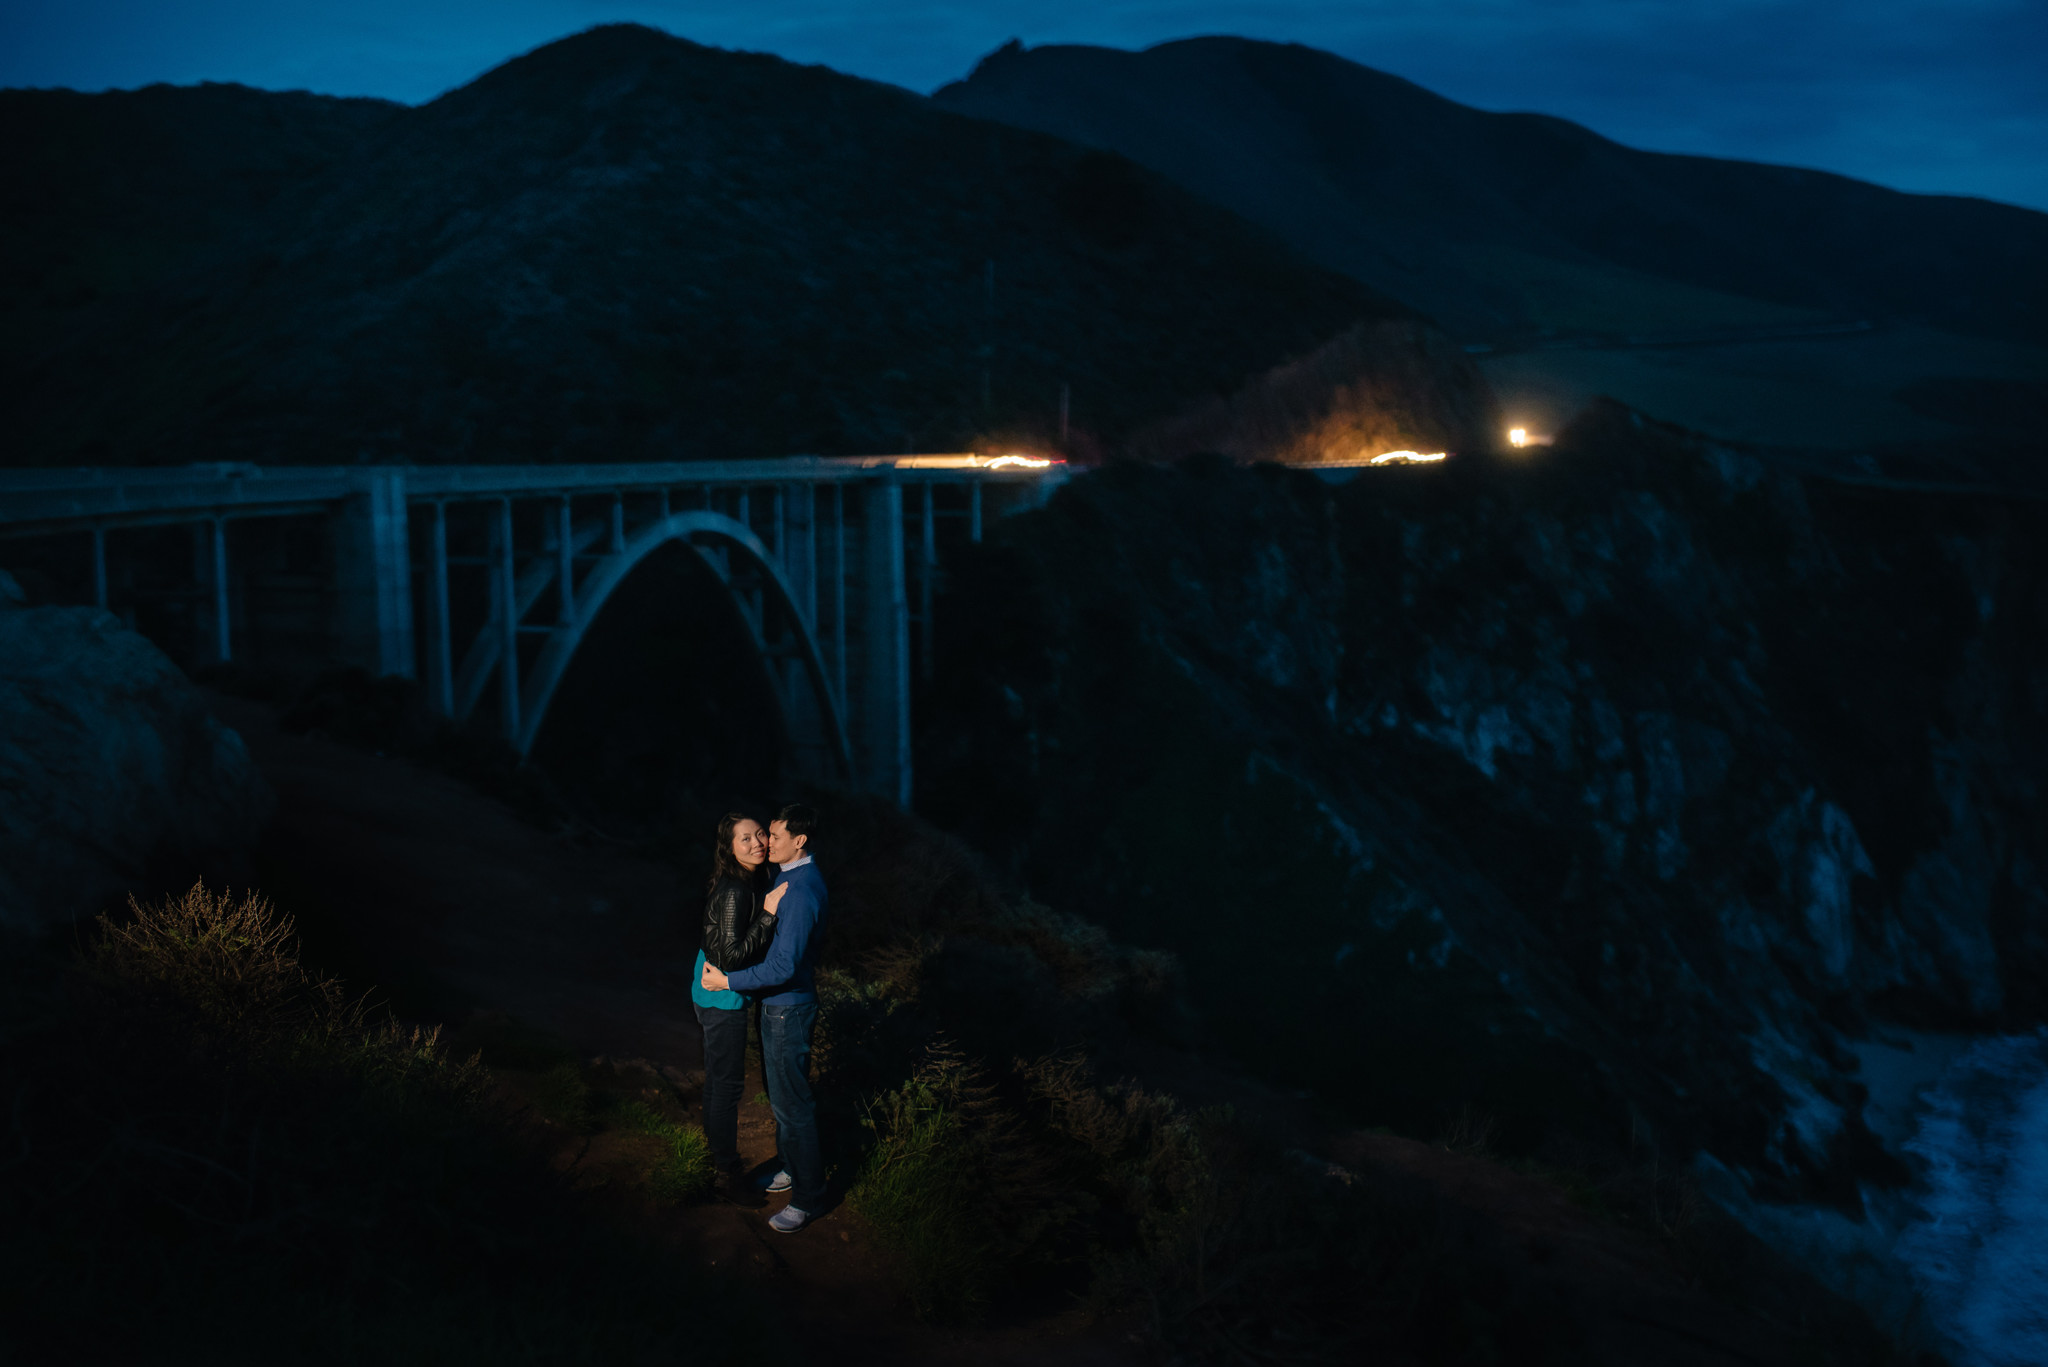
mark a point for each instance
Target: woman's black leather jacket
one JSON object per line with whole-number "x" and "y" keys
{"x": 736, "y": 934}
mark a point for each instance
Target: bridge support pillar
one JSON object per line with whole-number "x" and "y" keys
{"x": 881, "y": 714}
{"x": 373, "y": 577}
{"x": 210, "y": 568}
{"x": 798, "y": 548}
{"x": 440, "y": 631}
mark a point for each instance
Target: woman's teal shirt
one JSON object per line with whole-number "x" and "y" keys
{"x": 703, "y": 996}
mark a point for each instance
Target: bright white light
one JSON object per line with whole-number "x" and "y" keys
{"x": 1407, "y": 458}
{"x": 1018, "y": 462}
{"x": 1518, "y": 436}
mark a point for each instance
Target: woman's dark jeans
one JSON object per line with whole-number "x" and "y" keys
{"x": 725, "y": 1080}
{"x": 786, "y": 1058}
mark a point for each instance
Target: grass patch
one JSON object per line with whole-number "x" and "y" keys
{"x": 587, "y": 1099}
{"x": 686, "y": 1169}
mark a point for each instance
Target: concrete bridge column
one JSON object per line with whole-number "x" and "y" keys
{"x": 212, "y": 610}
{"x": 797, "y": 543}
{"x": 505, "y": 617}
{"x": 835, "y": 586}
{"x": 881, "y": 715}
{"x": 373, "y": 576}
{"x": 796, "y": 549}
{"x": 440, "y": 630}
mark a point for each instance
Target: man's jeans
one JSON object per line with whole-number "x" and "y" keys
{"x": 725, "y": 1080}
{"x": 786, "y": 1058}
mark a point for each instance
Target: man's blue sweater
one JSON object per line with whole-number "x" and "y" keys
{"x": 784, "y": 977}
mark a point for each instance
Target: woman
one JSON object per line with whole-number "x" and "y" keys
{"x": 736, "y": 933}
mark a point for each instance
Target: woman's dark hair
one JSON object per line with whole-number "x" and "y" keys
{"x": 723, "y": 865}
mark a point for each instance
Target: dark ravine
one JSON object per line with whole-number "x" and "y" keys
{"x": 1621, "y": 791}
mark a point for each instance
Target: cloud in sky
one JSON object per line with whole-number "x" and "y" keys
{"x": 1929, "y": 95}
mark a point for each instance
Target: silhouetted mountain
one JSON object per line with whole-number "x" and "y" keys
{"x": 1495, "y": 224}
{"x": 620, "y": 246}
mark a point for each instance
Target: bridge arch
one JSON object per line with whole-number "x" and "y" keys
{"x": 416, "y": 555}
{"x": 759, "y": 592}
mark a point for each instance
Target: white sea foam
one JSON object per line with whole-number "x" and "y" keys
{"x": 1978, "y": 1249}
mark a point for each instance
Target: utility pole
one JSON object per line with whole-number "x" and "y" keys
{"x": 988, "y": 350}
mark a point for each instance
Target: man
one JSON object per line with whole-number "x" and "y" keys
{"x": 789, "y": 1011}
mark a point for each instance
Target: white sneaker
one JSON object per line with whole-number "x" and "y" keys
{"x": 781, "y": 1181}
{"x": 788, "y": 1220}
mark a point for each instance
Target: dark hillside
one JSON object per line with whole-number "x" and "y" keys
{"x": 109, "y": 195}
{"x": 1463, "y": 213}
{"x": 1624, "y": 792}
{"x": 620, "y": 246}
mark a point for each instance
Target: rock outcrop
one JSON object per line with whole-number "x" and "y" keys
{"x": 113, "y": 774}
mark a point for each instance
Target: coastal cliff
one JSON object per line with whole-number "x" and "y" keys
{"x": 1620, "y": 792}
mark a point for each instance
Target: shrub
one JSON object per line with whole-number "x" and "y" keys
{"x": 955, "y": 1181}
{"x": 1231, "y": 1251}
{"x": 232, "y": 960}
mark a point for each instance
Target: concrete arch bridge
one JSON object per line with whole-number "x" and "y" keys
{"x": 483, "y": 581}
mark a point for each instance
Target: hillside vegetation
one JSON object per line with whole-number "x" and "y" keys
{"x": 620, "y": 246}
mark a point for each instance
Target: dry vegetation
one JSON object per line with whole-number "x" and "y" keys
{"x": 216, "y": 1155}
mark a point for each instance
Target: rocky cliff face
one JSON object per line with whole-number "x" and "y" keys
{"x": 1621, "y": 789}
{"x": 113, "y": 774}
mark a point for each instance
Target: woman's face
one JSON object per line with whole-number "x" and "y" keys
{"x": 749, "y": 844}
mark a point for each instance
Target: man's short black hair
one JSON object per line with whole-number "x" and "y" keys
{"x": 799, "y": 818}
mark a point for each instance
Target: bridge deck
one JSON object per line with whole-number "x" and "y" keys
{"x": 37, "y": 501}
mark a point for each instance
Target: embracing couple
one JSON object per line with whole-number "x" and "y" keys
{"x": 760, "y": 943}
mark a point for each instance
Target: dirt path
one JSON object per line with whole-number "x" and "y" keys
{"x": 410, "y": 879}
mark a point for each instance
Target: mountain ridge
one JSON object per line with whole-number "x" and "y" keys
{"x": 630, "y": 246}
{"x": 1534, "y": 173}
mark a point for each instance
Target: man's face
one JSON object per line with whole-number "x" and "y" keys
{"x": 782, "y": 846}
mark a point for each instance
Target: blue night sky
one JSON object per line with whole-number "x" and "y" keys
{"x": 1932, "y": 95}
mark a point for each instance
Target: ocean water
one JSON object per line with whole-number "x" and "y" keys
{"x": 1976, "y": 1247}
